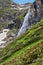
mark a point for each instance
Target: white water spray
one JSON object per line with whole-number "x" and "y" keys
{"x": 25, "y": 24}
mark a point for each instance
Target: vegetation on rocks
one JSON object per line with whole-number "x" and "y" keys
{"x": 22, "y": 15}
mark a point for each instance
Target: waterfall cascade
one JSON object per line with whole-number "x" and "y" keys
{"x": 32, "y": 17}
{"x": 25, "y": 24}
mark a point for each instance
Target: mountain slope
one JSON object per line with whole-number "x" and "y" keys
{"x": 28, "y": 48}
{"x": 32, "y": 38}
{"x": 9, "y": 12}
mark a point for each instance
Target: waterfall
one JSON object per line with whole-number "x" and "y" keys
{"x": 25, "y": 24}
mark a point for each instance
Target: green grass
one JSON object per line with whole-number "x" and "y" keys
{"x": 20, "y": 52}
{"x": 30, "y": 38}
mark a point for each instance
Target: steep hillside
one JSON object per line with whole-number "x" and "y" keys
{"x": 9, "y": 12}
{"x": 9, "y": 8}
{"x": 6, "y": 13}
{"x": 25, "y": 50}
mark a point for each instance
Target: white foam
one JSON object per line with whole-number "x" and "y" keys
{"x": 3, "y": 35}
{"x": 25, "y": 23}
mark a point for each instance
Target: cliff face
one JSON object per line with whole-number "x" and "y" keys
{"x": 37, "y": 10}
